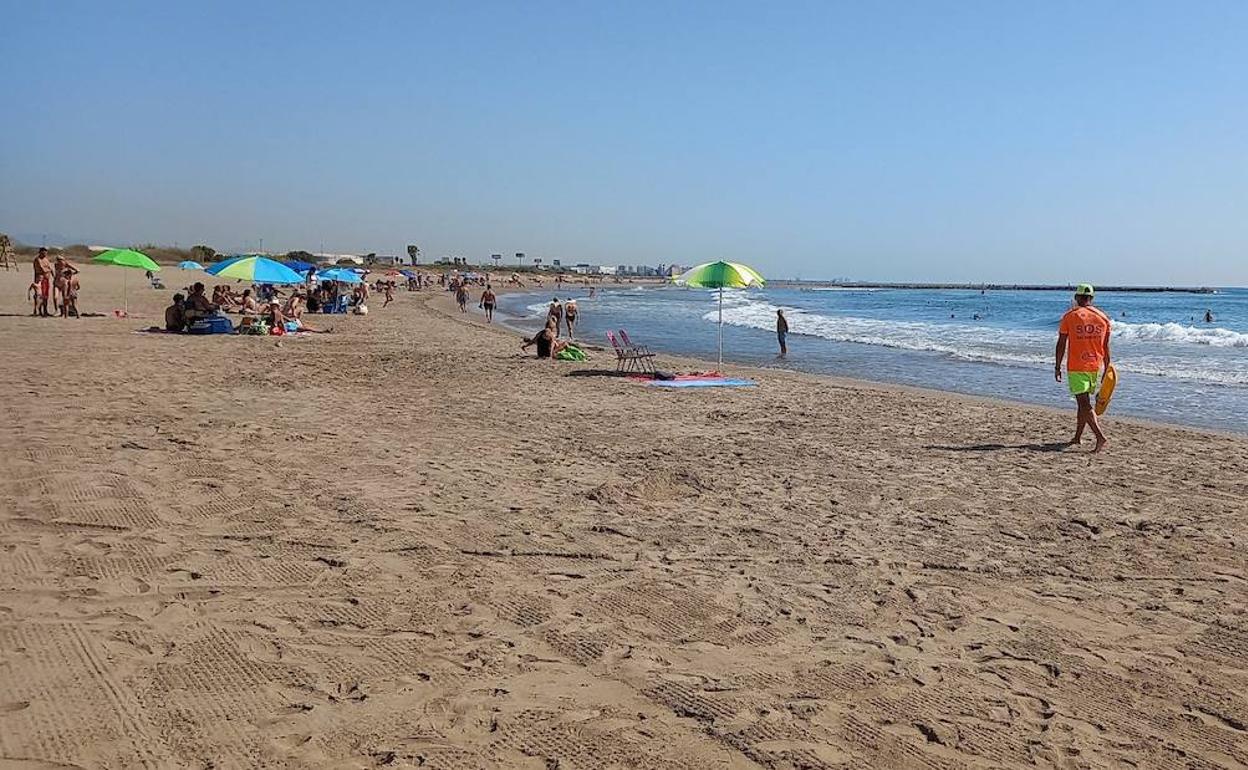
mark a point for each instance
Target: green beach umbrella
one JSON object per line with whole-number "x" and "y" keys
{"x": 126, "y": 258}
{"x": 721, "y": 275}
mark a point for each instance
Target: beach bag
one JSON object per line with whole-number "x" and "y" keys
{"x": 214, "y": 324}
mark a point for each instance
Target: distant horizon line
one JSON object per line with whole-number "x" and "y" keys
{"x": 59, "y": 241}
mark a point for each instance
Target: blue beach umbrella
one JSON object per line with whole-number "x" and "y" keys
{"x": 256, "y": 270}
{"x": 298, "y": 266}
{"x": 408, "y": 274}
{"x": 340, "y": 275}
{"x": 190, "y": 265}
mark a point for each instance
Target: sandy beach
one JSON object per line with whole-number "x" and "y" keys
{"x": 407, "y": 544}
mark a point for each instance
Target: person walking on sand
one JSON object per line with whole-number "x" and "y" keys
{"x": 42, "y": 282}
{"x": 488, "y": 301}
{"x": 461, "y": 297}
{"x": 1083, "y": 340}
{"x": 782, "y": 332}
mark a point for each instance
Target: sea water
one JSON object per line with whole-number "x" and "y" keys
{"x": 1173, "y": 365}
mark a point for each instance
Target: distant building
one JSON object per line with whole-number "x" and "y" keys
{"x": 333, "y": 259}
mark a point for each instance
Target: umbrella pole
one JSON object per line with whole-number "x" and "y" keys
{"x": 721, "y": 329}
{"x": 125, "y": 293}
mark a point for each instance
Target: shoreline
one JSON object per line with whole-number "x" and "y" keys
{"x": 798, "y": 284}
{"x": 446, "y": 305}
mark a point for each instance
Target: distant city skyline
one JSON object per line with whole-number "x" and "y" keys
{"x": 920, "y": 142}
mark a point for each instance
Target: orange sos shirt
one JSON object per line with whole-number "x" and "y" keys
{"x": 1086, "y": 329}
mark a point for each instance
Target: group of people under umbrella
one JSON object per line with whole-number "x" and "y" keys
{"x": 718, "y": 275}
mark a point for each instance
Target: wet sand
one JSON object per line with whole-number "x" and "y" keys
{"x": 406, "y": 544}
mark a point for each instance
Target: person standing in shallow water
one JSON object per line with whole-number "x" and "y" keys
{"x": 1083, "y": 340}
{"x": 782, "y": 333}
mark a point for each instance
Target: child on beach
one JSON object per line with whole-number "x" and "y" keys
{"x": 388, "y": 290}
{"x": 69, "y": 292}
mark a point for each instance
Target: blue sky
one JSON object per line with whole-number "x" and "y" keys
{"x": 926, "y": 141}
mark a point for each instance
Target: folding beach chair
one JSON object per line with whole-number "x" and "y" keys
{"x": 627, "y": 358}
{"x": 642, "y": 349}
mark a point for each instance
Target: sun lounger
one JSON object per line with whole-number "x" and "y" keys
{"x": 628, "y": 358}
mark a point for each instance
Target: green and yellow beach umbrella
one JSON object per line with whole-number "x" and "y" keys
{"x": 721, "y": 275}
{"x": 126, "y": 258}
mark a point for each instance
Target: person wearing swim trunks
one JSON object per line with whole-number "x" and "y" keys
{"x": 42, "y": 282}
{"x": 488, "y": 300}
{"x": 782, "y": 332}
{"x": 1083, "y": 340}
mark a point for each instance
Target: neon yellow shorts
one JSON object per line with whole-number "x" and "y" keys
{"x": 1082, "y": 382}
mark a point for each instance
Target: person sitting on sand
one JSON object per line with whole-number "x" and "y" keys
{"x": 275, "y": 318}
{"x": 198, "y": 305}
{"x": 247, "y": 303}
{"x": 1083, "y": 340}
{"x": 222, "y": 298}
{"x": 547, "y": 340}
{"x": 488, "y": 301}
{"x": 293, "y": 309}
{"x": 175, "y": 314}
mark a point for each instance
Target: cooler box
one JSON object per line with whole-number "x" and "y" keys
{"x": 211, "y": 325}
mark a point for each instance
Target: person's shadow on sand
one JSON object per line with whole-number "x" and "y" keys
{"x": 1056, "y": 446}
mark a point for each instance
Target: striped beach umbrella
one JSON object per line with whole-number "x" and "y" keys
{"x": 256, "y": 270}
